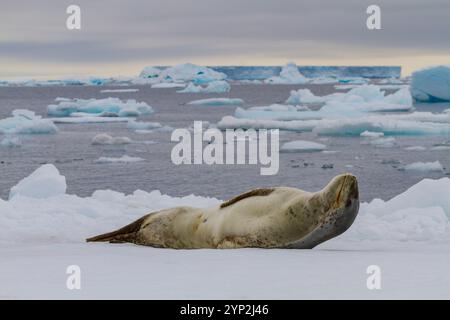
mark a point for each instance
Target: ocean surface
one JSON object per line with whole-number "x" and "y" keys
{"x": 74, "y": 155}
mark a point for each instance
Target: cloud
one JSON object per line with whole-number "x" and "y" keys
{"x": 115, "y": 31}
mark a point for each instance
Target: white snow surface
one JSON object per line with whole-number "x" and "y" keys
{"x": 44, "y": 227}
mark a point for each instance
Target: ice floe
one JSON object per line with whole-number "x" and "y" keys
{"x": 143, "y": 125}
{"x": 26, "y": 122}
{"x": 424, "y": 167}
{"x": 122, "y": 159}
{"x": 217, "y": 102}
{"x": 39, "y": 210}
{"x": 119, "y": 90}
{"x": 106, "y": 139}
{"x": 212, "y": 87}
{"x": 431, "y": 84}
{"x": 109, "y": 107}
{"x": 302, "y": 146}
{"x": 10, "y": 142}
{"x": 370, "y": 134}
{"x": 168, "y": 85}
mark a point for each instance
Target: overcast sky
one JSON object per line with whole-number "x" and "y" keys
{"x": 120, "y": 37}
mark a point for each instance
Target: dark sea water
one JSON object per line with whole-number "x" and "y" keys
{"x": 74, "y": 155}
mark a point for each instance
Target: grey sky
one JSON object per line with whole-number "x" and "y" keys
{"x": 123, "y": 36}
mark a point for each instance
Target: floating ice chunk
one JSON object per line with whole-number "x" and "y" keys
{"x": 289, "y": 75}
{"x": 26, "y": 122}
{"x": 119, "y": 90}
{"x": 441, "y": 148}
{"x": 383, "y": 142}
{"x": 217, "y": 87}
{"x": 11, "y": 142}
{"x": 123, "y": 159}
{"x": 415, "y": 148}
{"x": 141, "y": 125}
{"x": 343, "y": 126}
{"x": 43, "y": 183}
{"x": 370, "y": 134}
{"x": 431, "y": 84}
{"x": 168, "y": 85}
{"x": 89, "y": 119}
{"x": 217, "y": 102}
{"x": 359, "y": 94}
{"x": 212, "y": 87}
{"x": 100, "y": 107}
{"x": 302, "y": 146}
{"x": 150, "y": 73}
{"x": 425, "y": 167}
{"x": 104, "y": 138}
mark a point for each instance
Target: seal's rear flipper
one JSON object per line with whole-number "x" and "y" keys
{"x": 125, "y": 234}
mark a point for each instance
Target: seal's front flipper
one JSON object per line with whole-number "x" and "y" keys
{"x": 125, "y": 234}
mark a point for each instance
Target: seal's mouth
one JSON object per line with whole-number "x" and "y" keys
{"x": 346, "y": 205}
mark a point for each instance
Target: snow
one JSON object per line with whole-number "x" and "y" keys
{"x": 43, "y": 183}
{"x": 289, "y": 75}
{"x": 409, "y": 232}
{"x": 106, "y": 139}
{"x": 425, "y": 167}
{"x": 431, "y": 84}
{"x": 302, "y": 146}
{"x": 217, "y": 102}
{"x": 212, "y": 87}
{"x": 100, "y": 107}
{"x": 26, "y": 122}
{"x": 119, "y": 90}
{"x": 123, "y": 159}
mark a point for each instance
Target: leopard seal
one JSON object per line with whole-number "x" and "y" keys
{"x": 278, "y": 217}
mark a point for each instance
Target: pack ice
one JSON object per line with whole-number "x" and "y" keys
{"x": 182, "y": 73}
{"x": 431, "y": 84}
{"x": 40, "y": 210}
{"x": 109, "y": 107}
{"x": 212, "y": 87}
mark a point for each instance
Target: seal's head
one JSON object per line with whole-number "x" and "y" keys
{"x": 339, "y": 205}
{"x": 342, "y": 196}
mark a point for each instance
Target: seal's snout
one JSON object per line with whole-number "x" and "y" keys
{"x": 344, "y": 191}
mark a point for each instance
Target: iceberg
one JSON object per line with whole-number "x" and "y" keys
{"x": 302, "y": 146}
{"x": 150, "y": 73}
{"x": 212, "y": 87}
{"x": 26, "y": 122}
{"x": 106, "y": 139}
{"x": 108, "y": 107}
{"x": 43, "y": 183}
{"x": 217, "y": 102}
{"x": 431, "y": 84}
{"x": 289, "y": 75}
{"x": 424, "y": 167}
{"x": 187, "y": 72}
